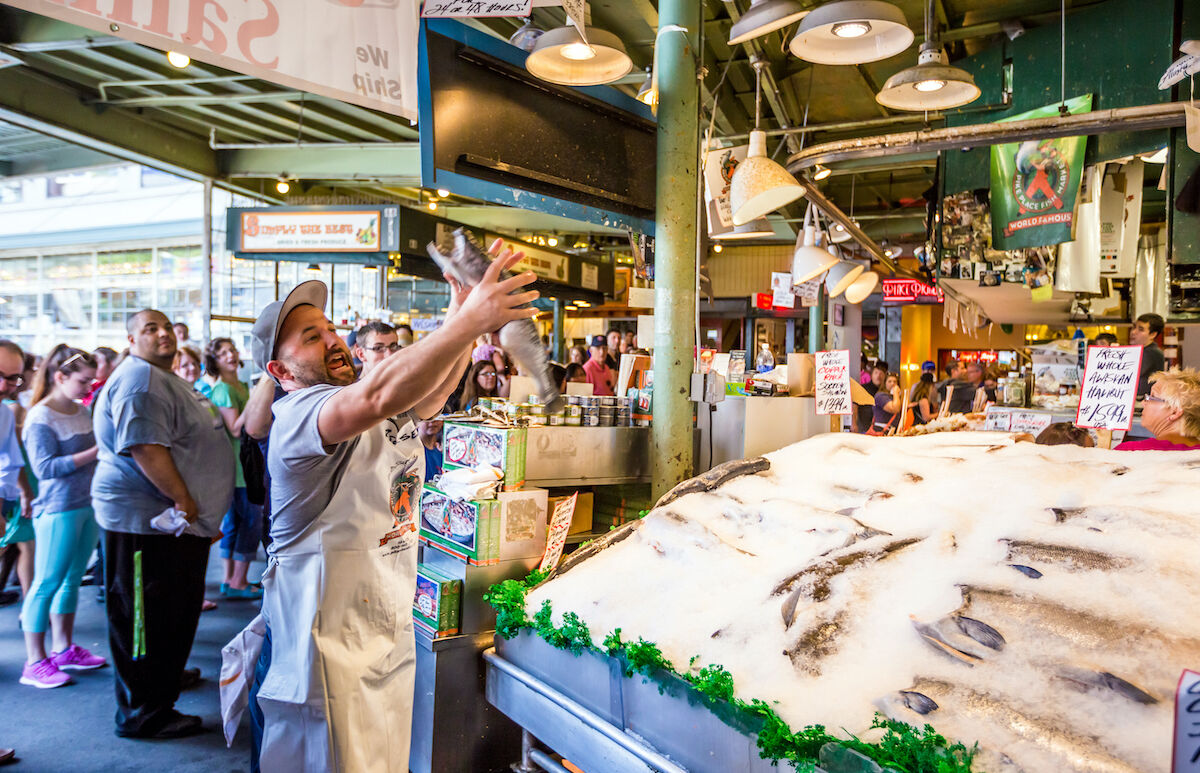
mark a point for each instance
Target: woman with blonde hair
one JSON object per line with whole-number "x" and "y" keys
{"x": 62, "y": 451}
{"x": 1171, "y": 413}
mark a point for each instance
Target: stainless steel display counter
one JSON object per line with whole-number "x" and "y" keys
{"x": 745, "y": 427}
{"x": 587, "y": 456}
{"x": 588, "y": 711}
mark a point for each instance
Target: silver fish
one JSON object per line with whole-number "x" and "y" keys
{"x": 715, "y": 477}
{"x": 467, "y": 263}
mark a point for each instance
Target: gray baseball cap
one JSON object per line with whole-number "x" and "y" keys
{"x": 266, "y": 327}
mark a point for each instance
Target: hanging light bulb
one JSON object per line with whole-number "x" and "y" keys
{"x": 933, "y": 84}
{"x": 432, "y": 206}
{"x": 527, "y": 36}
{"x": 764, "y": 16}
{"x": 562, "y": 56}
{"x": 282, "y": 185}
{"x": 176, "y": 59}
{"x": 821, "y": 172}
{"x": 718, "y": 247}
{"x": 852, "y": 32}
{"x": 760, "y": 185}
{"x": 442, "y": 193}
{"x": 862, "y": 287}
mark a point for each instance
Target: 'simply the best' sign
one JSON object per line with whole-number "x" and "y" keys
{"x": 833, "y": 382}
{"x": 1110, "y": 381}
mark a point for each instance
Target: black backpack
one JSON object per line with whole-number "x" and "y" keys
{"x": 254, "y": 469}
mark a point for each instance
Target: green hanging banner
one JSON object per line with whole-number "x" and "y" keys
{"x": 1035, "y": 184}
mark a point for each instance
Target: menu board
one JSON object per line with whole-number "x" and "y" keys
{"x": 833, "y": 382}
{"x": 1110, "y": 381}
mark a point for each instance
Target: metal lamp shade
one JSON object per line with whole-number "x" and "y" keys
{"x": 887, "y": 33}
{"x": 841, "y": 276}
{"x": 810, "y": 261}
{"x": 756, "y": 229}
{"x": 838, "y": 234}
{"x": 862, "y": 287}
{"x": 903, "y": 91}
{"x": 760, "y": 185}
{"x": 765, "y": 16}
{"x": 609, "y": 63}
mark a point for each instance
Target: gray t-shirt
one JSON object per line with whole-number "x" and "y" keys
{"x": 144, "y": 404}
{"x": 51, "y": 439}
{"x": 304, "y": 472}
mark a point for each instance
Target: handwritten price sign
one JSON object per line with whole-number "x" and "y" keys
{"x": 1186, "y": 757}
{"x": 833, "y": 382}
{"x": 560, "y": 524}
{"x": 1110, "y": 380}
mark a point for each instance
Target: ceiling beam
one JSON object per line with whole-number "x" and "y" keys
{"x": 394, "y": 163}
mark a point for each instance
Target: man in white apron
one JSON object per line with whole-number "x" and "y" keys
{"x": 346, "y": 470}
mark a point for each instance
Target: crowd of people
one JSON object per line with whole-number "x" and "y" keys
{"x": 121, "y": 469}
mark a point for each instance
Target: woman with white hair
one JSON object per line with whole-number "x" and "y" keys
{"x": 1171, "y": 412}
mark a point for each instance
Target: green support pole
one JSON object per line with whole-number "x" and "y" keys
{"x": 816, "y": 323}
{"x": 556, "y": 337}
{"x": 675, "y": 242}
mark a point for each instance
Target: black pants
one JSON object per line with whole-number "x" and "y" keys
{"x": 172, "y": 591}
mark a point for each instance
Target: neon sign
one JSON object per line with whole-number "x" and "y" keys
{"x": 911, "y": 291}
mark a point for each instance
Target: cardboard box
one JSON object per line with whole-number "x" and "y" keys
{"x": 437, "y": 603}
{"x": 801, "y": 374}
{"x": 472, "y": 445}
{"x": 522, "y": 525}
{"x": 463, "y": 529}
{"x": 581, "y": 519}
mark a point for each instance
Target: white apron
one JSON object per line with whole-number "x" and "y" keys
{"x": 339, "y": 692}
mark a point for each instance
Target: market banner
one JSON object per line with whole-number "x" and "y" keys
{"x": 352, "y": 50}
{"x": 1035, "y": 184}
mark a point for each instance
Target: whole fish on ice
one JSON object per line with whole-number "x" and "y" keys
{"x": 466, "y": 262}
{"x": 1037, "y": 600}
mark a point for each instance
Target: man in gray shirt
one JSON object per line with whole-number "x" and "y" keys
{"x": 160, "y": 446}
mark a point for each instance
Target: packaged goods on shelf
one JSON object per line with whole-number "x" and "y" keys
{"x": 438, "y": 601}
{"x": 471, "y": 445}
{"x": 467, "y": 529}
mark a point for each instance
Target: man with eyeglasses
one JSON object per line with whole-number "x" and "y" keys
{"x": 375, "y": 342}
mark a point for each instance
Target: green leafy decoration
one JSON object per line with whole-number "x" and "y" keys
{"x": 902, "y": 747}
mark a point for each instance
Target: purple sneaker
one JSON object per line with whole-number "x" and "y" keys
{"x": 44, "y": 674}
{"x": 76, "y": 658}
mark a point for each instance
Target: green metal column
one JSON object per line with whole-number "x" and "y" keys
{"x": 675, "y": 242}
{"x": 816, "y": 323}
{"x": 556, "y": 336}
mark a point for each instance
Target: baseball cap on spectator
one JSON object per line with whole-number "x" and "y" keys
{"x": 599, "y": 341}
{"x": 928, "y": 365}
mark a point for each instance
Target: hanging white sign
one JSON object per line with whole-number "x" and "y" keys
{"x": 476, "y": 9}
{"x": 781, "y": 290}
{"x": 833, "y": 382}
{"x": 719, "y": 166}
{"x": 577, "y": 14}
{"x": 1110, "y": 382}
{"x": 352, "y": 50}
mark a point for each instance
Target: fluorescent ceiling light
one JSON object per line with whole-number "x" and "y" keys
{"x": 852, "y": 32}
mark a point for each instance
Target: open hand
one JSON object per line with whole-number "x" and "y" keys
{"x": 494, "y": 302}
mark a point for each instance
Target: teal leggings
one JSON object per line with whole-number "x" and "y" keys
{"x": 65, "y": 542}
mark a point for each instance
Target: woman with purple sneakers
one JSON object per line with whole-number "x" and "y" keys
{"x": 62, "y": 451}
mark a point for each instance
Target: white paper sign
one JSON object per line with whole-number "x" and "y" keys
{"x": 781, "y": 290}
{"x": 560, "y": 524}
{"x": 577, "y": 15}
{"x": 1110, "y": 381}
{"x": 997, "y": 421}
{"x": 833, "y": 383}
{"x": 808, "y": 292}
{"x": 719, "y": 166}
{"x": 589, "y": 277}
{"x": 359, "y": 52}
{"x": 1029, "y": 421}
{"x": 1186, "y": 757}
{"x": 440, "y": 9}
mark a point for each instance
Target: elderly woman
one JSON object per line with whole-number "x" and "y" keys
{"x": 1171, "y": 413}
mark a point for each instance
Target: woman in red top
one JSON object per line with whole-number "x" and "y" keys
{"x": 1171, "y": 413}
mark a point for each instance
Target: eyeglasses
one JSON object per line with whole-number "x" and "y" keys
{"x": 1153, "y": 399}
{"x": 377, "y": 348}
{"x": 488, "y": 374}
{"x": 15, "y": 380}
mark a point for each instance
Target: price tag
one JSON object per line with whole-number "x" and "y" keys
{"x": 997, "y": 421}
{"x": 833, "y": 382}
{"x": 1110, "y": 381}
{"x": 1029, "y": 421}
{"x": 560, "y": 524}
{"x": 1186, "y": 757}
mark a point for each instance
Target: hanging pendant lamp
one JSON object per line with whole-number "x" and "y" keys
{"x": 862, "y": 287}
{"x": 852, "y": 32}
{"x": 718, "y": 231}
{"x": 933, "y": 84}
{"x": 809, "y": 261}
{"x": 526, "y": 36}
{"x": 841, "y": 276}
{"x": 760, "y": 185}
{"x": 562, "y": 56}
{"x": 765, "y": 16}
